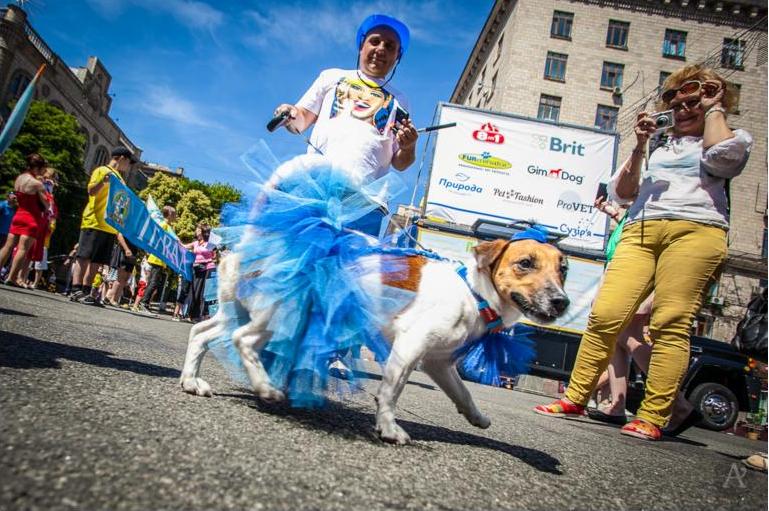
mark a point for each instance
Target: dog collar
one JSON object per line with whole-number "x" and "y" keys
{"x": 489, "y": 315}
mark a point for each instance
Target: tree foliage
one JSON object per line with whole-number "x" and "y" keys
{"x": 195, "y": 201}
{"x": 55, "y": 135}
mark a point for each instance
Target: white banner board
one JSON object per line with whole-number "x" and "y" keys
{"x": 497, "y": 167}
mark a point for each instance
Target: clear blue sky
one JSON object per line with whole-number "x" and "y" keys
{"x": 195, "y": 82}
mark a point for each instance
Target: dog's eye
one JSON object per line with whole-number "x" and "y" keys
{"x": 525, "y": 264}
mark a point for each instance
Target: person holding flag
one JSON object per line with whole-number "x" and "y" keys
{"x": 97, "y": 237}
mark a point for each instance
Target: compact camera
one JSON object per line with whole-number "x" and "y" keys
{"x": 400, "y": 116}
{"x": 663, "y": 120}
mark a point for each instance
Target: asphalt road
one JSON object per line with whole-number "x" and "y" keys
{"x": 92, "y": 417}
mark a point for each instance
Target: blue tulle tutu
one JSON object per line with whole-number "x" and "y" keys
{"x": 305, "y": 240}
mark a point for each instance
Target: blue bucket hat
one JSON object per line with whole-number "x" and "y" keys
{"x": 382, "y": 20}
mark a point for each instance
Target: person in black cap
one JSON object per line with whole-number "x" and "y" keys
{"x": 97, "y": 237}
{"x": 358, "y": 118}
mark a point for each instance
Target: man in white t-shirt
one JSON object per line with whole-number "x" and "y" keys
{"x": 354, "y": 111}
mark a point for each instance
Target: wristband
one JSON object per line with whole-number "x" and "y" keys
{"x": 715, "y": 109}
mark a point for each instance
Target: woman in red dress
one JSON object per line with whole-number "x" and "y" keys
{"x": 29, "y": 219}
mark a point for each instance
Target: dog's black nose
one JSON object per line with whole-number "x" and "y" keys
{"x": 560, "y": 303}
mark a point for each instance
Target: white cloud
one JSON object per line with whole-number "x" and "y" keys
{"x": 163, "y": 102}
{"x": 193, "y": 14}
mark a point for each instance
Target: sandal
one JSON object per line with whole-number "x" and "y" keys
{"x": 560, "y": 408}
{"x": 598, "y": 415}
{"x": 641, "y": 429}
{"x": 691, "y": 420}
{"x": 756, "y": 462}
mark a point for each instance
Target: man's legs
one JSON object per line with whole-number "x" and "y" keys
{"x": 152, "y": 284}
{"x": 691, "y": 261}
{"x": 628, "y": 281}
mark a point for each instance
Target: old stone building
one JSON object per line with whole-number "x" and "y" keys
{"x": 597, "y": 63}
{"x": 80, "y": 91}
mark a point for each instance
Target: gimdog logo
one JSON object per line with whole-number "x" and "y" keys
{"x": 516, "y": 196}
{"x": 489, "y": 133}
{"x": 485, "y": 160}
{"x": 557, "y": 145}
{"x": 460, "y": 188}
{"x": 560, "y": 174}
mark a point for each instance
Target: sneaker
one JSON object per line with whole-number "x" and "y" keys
{"x": 141, "y": 308}
{"x": 176, "y": 318}
{"x": 337, "y": 369}
{"x": 90, "y": 300}
{"x": 76, "y": 296}
{"x": 560, "y": 408}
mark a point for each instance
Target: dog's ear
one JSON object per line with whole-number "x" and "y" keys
{"x": 488, "y": 252}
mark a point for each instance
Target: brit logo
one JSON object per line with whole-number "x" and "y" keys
{"x": 489, "y": 133}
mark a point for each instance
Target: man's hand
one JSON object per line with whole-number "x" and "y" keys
{"x": 105, "y": 180}
{"x": 293, "y": 113}
{"x": 406, "y": 134}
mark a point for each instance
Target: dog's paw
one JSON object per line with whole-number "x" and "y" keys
{"x": 479, "y": 420}
{"x": 393, "y": 434}
{"x": 270, "y": 394}
{"x": 196, "y": 386}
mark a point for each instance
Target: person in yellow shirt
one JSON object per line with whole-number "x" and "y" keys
{"x": 96, "y": 236}
{"x": 157, "y": 266}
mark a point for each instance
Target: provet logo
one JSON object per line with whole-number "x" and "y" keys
{"x": 558, "y": 145}
{"x": 559, "y": 174}
{"x": 462, "y": 188}
{"x": 485, "y": 160}
{"x": 489, "y": 133}
{"x": 576, "y": 206}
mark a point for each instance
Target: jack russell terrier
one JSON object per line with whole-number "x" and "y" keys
{"x": 516, "y": 278}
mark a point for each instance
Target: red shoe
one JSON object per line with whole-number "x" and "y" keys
{"x": 641, "y": 429}
{"x": 560, "y": 408}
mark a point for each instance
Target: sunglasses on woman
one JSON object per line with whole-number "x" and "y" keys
{"x": 687, "y": 88}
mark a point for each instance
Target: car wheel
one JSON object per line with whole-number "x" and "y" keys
{"x": 717, "y": 404}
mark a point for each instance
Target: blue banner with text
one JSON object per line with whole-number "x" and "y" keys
{"x": 127, "y": 213}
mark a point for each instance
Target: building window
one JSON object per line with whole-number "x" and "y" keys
{"x": 499, "y": 48}
{"x": 611, "y": 76}
{"x": 606, "y": 118}
{"x": 663, "y": 76}
{"x": 18, "y": 83}
{"x": 616, "y": 36}
{"x": 555, "y": 66}
{"x": 549, "y": 108}
{"x": 493, "y": 87}
{"x": 101, "y": 157}
{"x": 732, "y": 54}
{"x": 561, "y": 27}
{"x": 674, "y": 45}
{"x": 737, "y": 90}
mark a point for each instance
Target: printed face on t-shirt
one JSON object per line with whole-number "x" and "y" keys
{"x": 357, "y": 99}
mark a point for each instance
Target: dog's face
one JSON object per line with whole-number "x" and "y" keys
{"x": 528, "y": 275}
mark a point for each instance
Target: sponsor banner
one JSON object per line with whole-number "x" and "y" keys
{"x": 495, "y": 167}
{"x": 581, "y": 283}
{"x": 127, "y": 213}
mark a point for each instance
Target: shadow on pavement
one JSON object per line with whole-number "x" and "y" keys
{"x": 16, "y": 313}
{"x": 378, "y": 377}
{"x": 352, "y": 424}
{"x": 22, "y": 352}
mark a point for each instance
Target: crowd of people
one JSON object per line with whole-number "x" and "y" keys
{"x": 103, "y": 268}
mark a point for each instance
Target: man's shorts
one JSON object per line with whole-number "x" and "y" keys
{"x": 119, "y": 259}
{"x": 95, "y": 245}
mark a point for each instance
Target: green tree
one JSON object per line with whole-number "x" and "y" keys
{"x": 193, "y": 207}
{"x": 166, "y": 190}
{"x": 55, "y": 135}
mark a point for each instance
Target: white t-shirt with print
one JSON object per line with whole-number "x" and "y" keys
{"x": 354, "y": 122}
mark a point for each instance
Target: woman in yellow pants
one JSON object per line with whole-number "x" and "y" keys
{"x": 673, "y": 243}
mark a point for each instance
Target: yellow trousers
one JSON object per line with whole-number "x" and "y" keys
{"x": 676, "y": 259}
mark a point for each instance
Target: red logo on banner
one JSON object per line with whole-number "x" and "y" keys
{"x": 489, "y": 133}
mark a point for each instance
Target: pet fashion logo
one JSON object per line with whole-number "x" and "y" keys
{"x": 122, "y": 204}
{"x": 462, "y": 188}
{"x": 485, "y": 160}
{"x": 557, "y": 145}
{"x": 489, "y": 133}
{"x": 511, "y": 195}
{"x": 560, "y": 174}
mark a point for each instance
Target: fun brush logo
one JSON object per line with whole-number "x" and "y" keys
{"x": 485, "y": 160}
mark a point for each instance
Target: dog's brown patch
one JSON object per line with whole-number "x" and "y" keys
{"x": 408, "y": 273}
